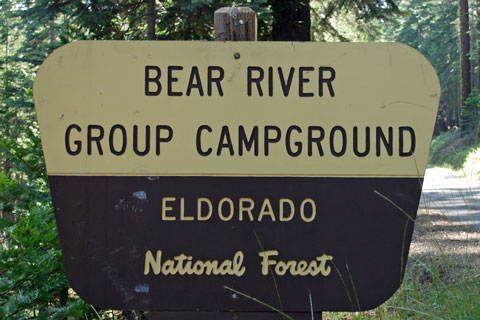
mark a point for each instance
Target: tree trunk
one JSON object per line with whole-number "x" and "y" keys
{"x": 478, "y": 44}
{"x": 7, "y": 165}
{"x": 151, "y": 19}
{"x": 52, "y": 30}
{"x": 465, "y": 84}
{"x": 450, "y": 109}
{"x": 291, "y": 20}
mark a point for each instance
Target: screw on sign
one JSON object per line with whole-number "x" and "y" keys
{"x": 189, "y": 203}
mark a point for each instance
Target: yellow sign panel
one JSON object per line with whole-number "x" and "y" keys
{"x": 236, "y": 109}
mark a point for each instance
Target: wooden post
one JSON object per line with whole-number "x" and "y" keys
{"x": 235, "y": 24}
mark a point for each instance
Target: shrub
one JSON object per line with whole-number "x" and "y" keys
{"x": 469, "y": 116}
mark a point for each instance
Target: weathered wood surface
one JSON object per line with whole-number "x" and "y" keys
{"x": 235, "y": 24}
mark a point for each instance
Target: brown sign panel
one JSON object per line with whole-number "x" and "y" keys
{"x": 184, "y": 179}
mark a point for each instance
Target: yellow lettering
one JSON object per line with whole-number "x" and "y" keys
{"x": 292, "y": 264}
{"x": 188, "y": 265}
{"x": 166, "y": 208}
{"x": 266, "y": 210}
{"x": 265, "y": 261}
{"x": 156, "y": 264}
{"x": 242, "y": 208}
{"x": 183, "y": 264}
{"x": 281, "y": 268}
{"x": 292, "y": 209}
{"x": 199, "y": 209}
{"x": 238, "y": 269}
{"x": 313, "y": 268}
{"x": 182, "y": 211}
{"x": 323, "y": 261}
{"x": 301, "y": 268}
{"x": 211, "y": 267}
{"x": 302, "y": 210}
{"x": 169, "y": 267}
{"x": 294, "y": 267}
{"x": 220, "y": 209}
{"x": 180, "y": 267}
{"x": 225, "y": 267}
{"x": 198, "y": 267}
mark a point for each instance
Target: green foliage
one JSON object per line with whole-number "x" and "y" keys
{"x": 441, "y": 281}
{"x": 470, "y": 117}
{"x": 451, "y": 149}
{"x": 351, "y": 20}
{"x": 430, "y": 27}
{"x": 32, "y": 282}
{"x": 454, "y": 147}
{"x": 440, "y": 140}
{"x": 435, "y": 290}
{"x": 432, "y": 290}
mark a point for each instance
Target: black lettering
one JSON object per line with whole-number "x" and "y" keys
{"x": 171, "y": 79}
{"x": 270, "y": 81}
{"x": 317, "y": 140}
{"x": 194, "y": 76}
{"x": 298, "y": 144}
{"x": 328, "y": 81}
{"x": 248, "y": 142}
{"x": 410, "y": 152}
{"x": 78, "y": 143}
{"x": 225, "y": 135}
{"x": 302, "y": 80}
{"x": 257, "y": 80}
{"x": 286, "y": 85}
{"x": 168, "y": 138}
{"x": 135, "y": 141}
{"x": 199, "y": 140}
{"x": 268, "y": 139}
{"x": 111, "y": 140}
{"x": 155, "y": 80}
{"x": 216, "y": 80}
{"x": 367, "y": 142}
{"x": 332, "y": 141}
{"x": 387, "y": 144}
{"x": 96, "y": 139}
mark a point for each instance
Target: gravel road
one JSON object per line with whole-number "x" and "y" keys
{"x": 453, "y": 195}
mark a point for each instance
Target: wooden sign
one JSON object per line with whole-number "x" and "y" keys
{"x": 186, "y": 174}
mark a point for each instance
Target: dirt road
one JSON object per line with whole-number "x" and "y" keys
{"x": 453, "y": 195}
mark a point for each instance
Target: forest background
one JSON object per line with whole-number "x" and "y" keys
{"x": 32, "y": 281}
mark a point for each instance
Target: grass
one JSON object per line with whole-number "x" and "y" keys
{"x": 471, "y": 166}
{"x": 442, "y": 279}
{"x": 450, "y": 149}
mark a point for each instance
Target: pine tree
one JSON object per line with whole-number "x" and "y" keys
{"x": 465, "y": 83}
{"x": 291, "y": 20}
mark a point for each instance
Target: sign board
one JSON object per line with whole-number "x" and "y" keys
{"x": 181, "y": 171}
